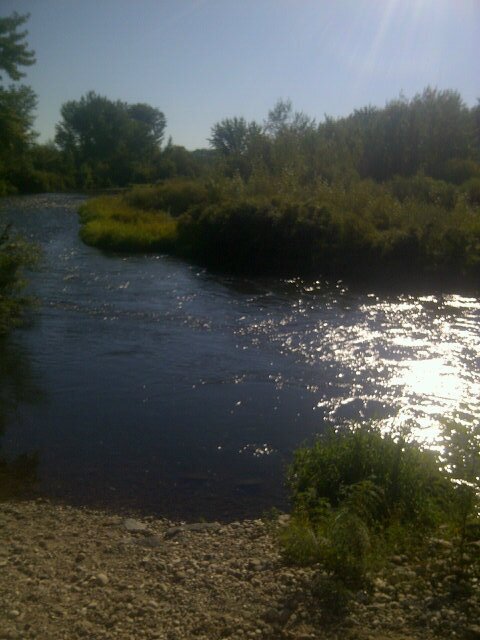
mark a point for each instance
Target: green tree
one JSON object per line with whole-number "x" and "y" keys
{"x": 17, "y": 103}
{"x": 231, "y": 136}
{"x": 236, "y": 142}
{"x": 113, "y": 141}
{"x": 14, "y": 52}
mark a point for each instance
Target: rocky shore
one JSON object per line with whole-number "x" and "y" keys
{"x": 69, "y": 573}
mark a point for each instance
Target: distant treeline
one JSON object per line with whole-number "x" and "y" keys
{"x": 101, "y": 143}
{"x": 391, "y": 191}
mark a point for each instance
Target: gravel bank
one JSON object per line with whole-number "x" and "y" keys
{"x": 68, "y": 573}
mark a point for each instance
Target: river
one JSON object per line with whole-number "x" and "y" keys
{"x": 154, "y": 386}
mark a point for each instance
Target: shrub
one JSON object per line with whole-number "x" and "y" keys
{"x": 424, "y": 189}
{"x": 332, "y": 595}
{"x": 15, "y": 255}
{"x": 262, "y": 235}
{"x": 410, "y": 486}
{"x": 460, "y": 443}
{"x": 471, "y": 188}
{"x": 356, "y": 492}
{"x": 173, "y": 196}
{"x": 459, "y": 170}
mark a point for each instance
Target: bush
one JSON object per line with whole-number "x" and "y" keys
{"x": 33, "y": 181}
{"x": 15, "y": 255}
{"x": 410, "y": 486}
{"x": 460, "y": 443}
{"x": 260, "y": 235}
{"x": 332, "y": 595}
{"x": 471, "y": 189}
{"x": 424, "y": 189}
{"x": 356, "y": 492}
{"x": 460, "y": 170}
{"x": 174, "y": 196}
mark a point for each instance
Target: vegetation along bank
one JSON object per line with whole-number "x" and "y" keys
{"x": 392, "y": 191}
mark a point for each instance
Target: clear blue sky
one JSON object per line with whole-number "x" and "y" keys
{"x": 203, "y": 60}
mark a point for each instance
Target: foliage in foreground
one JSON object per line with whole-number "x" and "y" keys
{"x": 358, "y": 494}
{"x": 15, "y": 255}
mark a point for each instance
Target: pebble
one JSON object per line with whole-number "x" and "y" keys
{"x": 102, "y": 579}
{"x": 203, "y": 581}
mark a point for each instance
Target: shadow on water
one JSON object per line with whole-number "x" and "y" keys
{"x": 18, "y": 474}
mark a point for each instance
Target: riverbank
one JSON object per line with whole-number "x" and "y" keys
{"x": 75, "y": 573}
{"x": 424, "y": 231}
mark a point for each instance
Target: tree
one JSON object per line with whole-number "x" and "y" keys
{"x": 231, "y": 136}
{"x": 237, "y": 142}
{"x": 110, "y": 140}
{"x": 279, "y": 117}
{"x": 17, "y": 103}
{"x": 14, "y": 51}
{"x": 150, "y": 122}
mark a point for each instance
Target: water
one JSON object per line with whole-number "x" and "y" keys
{"x": 148, "y": 384}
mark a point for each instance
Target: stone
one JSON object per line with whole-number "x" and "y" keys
{"x": 171, "y": 532}
{"x": 179, "y": 576}
{"x": 151, "y": 542}
{"x": 442, "y": 544}
{"x": 380, "y": 584}
{"x": 472, "y": 632}
{"x": 102, "y": 579}
{"x": 134, "y": 526}
{"x": 203, "y": 526}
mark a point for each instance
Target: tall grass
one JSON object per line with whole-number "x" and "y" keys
{"x": 109, "y": 222}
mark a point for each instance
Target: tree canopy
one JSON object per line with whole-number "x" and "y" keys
{"x": 17, "y": 102}
{"x": 111, "y": 141}
{"x": 14, "y": 52}
{"x": 424, "y": 134}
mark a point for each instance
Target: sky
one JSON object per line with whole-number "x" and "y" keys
{"x": 200, "y": 61}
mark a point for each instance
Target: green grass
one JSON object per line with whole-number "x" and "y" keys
{"x": 108, "y": 222}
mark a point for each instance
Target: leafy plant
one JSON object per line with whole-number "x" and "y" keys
{"x": 402, "y": 480}
{"x": 15, "y": 255}
{"x": 460, "y": 441}
{"x": 332, "y": 595}
{"x": 356, "y": 492}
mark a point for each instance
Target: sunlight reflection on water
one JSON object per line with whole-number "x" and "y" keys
{"x": 409, "y": 360}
